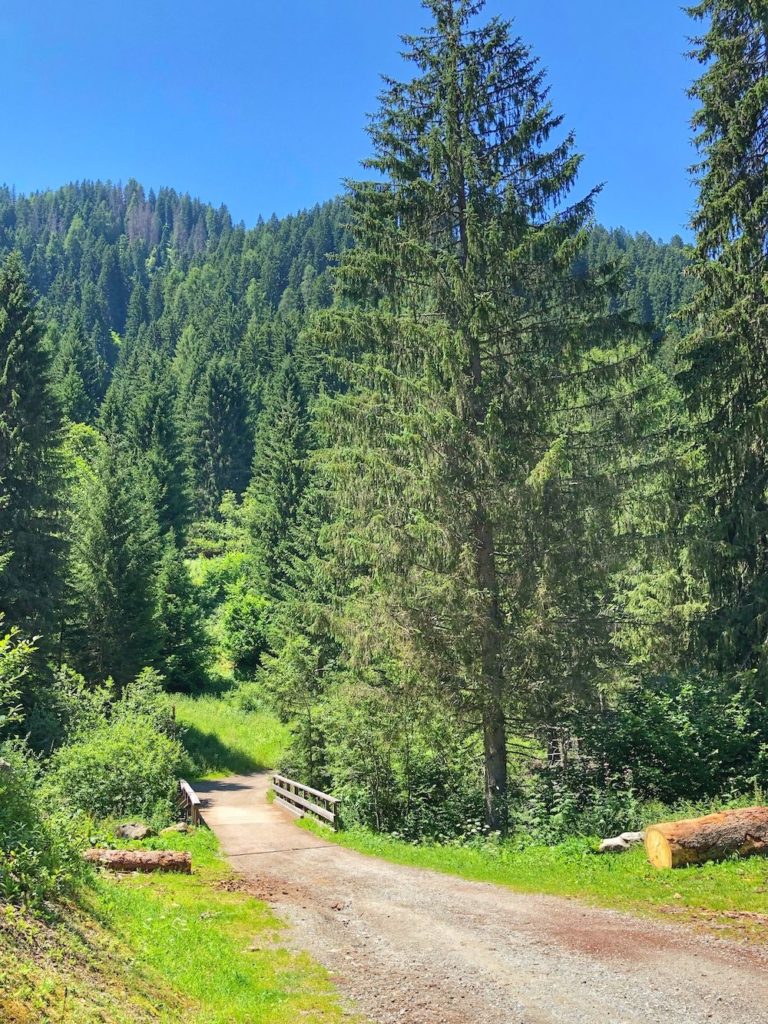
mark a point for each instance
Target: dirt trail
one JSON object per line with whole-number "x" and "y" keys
{"x": 408, "y": 946}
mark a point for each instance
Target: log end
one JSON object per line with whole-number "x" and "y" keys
{"x": 658, "y": 849}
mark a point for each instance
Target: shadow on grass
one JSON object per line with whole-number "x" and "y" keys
{"x": 211, "y": 756}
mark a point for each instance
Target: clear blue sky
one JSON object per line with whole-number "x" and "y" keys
{"x": 261, "y": 104}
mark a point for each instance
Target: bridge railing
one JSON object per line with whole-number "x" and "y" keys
{"x": 301, "y": 800}
{"x": 190, "y": 802}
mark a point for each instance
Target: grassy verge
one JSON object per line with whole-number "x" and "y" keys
{"x": 225, "y": 740}
{"x": 730, "y": 898}
{"x": 168, "y": 949}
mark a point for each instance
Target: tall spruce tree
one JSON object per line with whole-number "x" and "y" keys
{"x": 725, "y": 371}
{"x": 139, "y": 411}
{"x": 185, "y": 647}
{"x": 279, "y": 478}
{"x": 79, "y": 374}
{"x": 113, "y": 628}
{"x": 460, "y": 325}
{"x": 30, "y": 544}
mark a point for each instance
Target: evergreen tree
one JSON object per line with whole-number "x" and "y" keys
{"x": 114, "y": 629}
{"x": 216, "y": 425}
{"x": 279, "y": 478}
{"x": 139, "y": 411}
{"x": 725, "y": 371}
{"x": 78, "y": 374}
{"x": 185, "y": 646}
{"x": 30, "y": 543}
{"x": 455, "y": 454}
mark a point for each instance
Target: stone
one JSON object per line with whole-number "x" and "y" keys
{"x": 615, "y": 845}
{"x": 180, "y": 826}
{"x": 132, "y": 830}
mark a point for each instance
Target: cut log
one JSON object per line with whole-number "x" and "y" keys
{"x": 715, "y": 837}
{"x": 141, "y": 860}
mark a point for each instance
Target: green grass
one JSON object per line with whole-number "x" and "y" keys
{"x": 166, "y": 949}
{"x": 225, "y": 740}
{"x": 720, "y": 896}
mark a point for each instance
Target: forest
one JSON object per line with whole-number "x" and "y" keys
{"x": 464, "y": 492}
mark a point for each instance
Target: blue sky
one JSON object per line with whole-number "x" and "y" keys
{"x": 261, "y": 104}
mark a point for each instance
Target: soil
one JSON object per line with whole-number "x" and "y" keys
{"x": 407, "y": 946}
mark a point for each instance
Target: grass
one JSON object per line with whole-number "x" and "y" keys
{"x": 730, "y": 898}
{"x": 225, "y": 740}
{"x": 167, "y": 949}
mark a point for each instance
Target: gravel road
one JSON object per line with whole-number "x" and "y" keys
{"x": 408, "y": 946}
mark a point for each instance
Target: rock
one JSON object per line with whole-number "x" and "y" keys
{"x": 5, "y": 768}
{"x": 180, "y": 826}
{"x": 132, "y": 831}
{"x": 633, "y": 838}
{"x": 615, "y": 845}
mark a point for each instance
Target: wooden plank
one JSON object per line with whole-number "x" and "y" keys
{"x": 289, "y": 807}
{"x": 322, "y": 812}
{"x": 306, "y": 789}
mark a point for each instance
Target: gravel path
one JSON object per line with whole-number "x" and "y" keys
{"x": 408, "y": 946}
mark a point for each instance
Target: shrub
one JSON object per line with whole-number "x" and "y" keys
{"x": 245, "y": 627}
{"x": 39, "y": 856}
{"x": 64, "y": 707}
{"x": 15, "y": 664}
{"x": 125, "y": 767}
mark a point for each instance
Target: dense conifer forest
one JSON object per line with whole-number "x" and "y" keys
{"x": 466, "y": 489}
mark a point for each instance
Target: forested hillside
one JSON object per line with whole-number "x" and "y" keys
{"x": 464, "y": 487}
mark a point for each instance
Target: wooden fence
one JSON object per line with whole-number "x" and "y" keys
{"x": 302, "y": 800}
{"x": 190, "y": 801}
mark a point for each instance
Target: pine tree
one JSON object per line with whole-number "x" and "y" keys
{"x": 113, "y": 628}
{"x": 30, "y": 542}
{"x": 454, "y": 447}
{"x": 725, "y": 371}
{"x": 279, "y": 478}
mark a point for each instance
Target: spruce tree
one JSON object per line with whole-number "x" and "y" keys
{"x": 185, "y": 647}
{"x": 215, "y": 420}
{"x": 30, "y": 542}
{"x": 279, "y": 478}
{"x": 139, "y": 411}
{"x": 460, "y": 325}
{"x": 113, "y": 628}
{"x": 725, "y": 358}
{"x": 78, "y": 374}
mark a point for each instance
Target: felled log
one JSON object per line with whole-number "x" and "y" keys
{"x": 141, "y": 860}
{"x": 714, "y": 837}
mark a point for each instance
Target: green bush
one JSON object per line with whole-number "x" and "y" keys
{"x": 125, "y": 767}
{"x": 214, "y": 578}
{"x": 39, "y": 855}
{"x": 245, "y": 629}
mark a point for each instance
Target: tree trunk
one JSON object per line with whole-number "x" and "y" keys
{"x": 141, "y": 860}
{"x": 715, "y": 837}
{"x": 495, "y": 752}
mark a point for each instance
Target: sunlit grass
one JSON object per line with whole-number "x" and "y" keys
{"x": 217, "y": 945}
{"x": 225, "y": 740}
